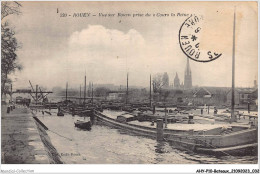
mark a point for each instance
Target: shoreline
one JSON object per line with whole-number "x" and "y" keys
{"x": 23, "y": 140}
{"x": 53, "y": 154}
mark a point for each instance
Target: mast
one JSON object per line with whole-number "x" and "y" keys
{"x": 36, "y": 92}
{"x": 126, "y": 89}
{"x": 92, "y": 93}
{"x": 233, "y": 117}
{"x": 89, "y": 89}
{"x": 150, "y": 90}
{"x": 66, "y": 91}
{"x": 85, "y": 87}
{"x": 79, "y": 94}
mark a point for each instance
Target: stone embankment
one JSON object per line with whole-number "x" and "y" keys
{"x": 24, "y": 141}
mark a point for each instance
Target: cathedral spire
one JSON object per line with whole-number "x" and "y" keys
{"x": 176, "y": 81}
{"x": 188, "y": 71}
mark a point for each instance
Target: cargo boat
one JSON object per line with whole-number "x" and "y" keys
{"x": 230, "y": 140}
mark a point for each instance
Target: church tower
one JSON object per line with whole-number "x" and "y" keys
{"x": 187, "y": 76}
{"x": 177, "y": 81}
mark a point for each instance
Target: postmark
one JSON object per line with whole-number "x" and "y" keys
{"x": 189, "y": 40}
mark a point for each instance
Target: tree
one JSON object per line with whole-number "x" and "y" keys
{"x": 9, "y": 8}
{"x": 165, "y": 94}
{"x": 160, "y": 81}
{"x": 165, "y": 80}
{"x": 9, "y": 45}
{"x": 157, "y": 83}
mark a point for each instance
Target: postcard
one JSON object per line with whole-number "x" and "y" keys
{"x": 135, "y": 82}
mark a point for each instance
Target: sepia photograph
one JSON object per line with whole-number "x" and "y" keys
{"x": 114, "y": 82}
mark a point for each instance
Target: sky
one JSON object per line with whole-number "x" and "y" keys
{"x": 56, "y": 49}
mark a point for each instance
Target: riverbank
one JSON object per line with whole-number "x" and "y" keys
{"x": 23, "y": 140}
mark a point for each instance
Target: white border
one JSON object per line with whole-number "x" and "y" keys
{"x": 130, "y": 168}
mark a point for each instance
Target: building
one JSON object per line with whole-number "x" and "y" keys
{"x": 22, "y": 101}
{"x": 187, "y": 76}
{"x": 202, "y": 93}
{"x": 255, "y": 84}
{"x": 177, "y": 84}
{"x": 116, "y": 95}
{"x": 182, "y": 85}
{"x": 243, "y": 96}
{"x": 19, "y": 100}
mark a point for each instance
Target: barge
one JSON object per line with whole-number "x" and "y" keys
{"x": 230, "y": 139}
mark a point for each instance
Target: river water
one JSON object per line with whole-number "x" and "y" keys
{"x": 106, "y": 145}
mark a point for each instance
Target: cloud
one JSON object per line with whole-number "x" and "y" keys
{"x": 99, "y": 37}
{"x": 105, "y": 53}
{"x": 108, "y": 54}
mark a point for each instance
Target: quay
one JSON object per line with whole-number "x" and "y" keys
{"x": 23, "y": 140}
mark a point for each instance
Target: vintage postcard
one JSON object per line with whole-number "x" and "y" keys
{"x": 129, "y": 83}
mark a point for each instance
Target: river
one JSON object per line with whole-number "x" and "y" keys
{"x": 106, "y": 145}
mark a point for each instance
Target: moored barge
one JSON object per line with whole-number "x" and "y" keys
{"x": 231, "y": 139}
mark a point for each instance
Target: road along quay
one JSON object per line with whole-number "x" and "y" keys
{"x": 24, "y": 141}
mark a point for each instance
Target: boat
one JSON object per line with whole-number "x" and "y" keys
{"x": 171, "y": 118}
{"x": 82, "y": 112}
{"x": 83, "y": 125}
{"x": 124, "y": 118}
{"x": 186, "y": 107}
{"x": 60, "y": 114}
{"x": 230, "y": 140}
{"x": 50, "y": 105}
